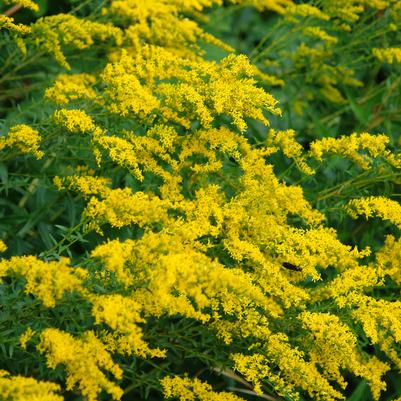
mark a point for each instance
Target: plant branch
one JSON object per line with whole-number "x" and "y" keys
{"x": 11, "y": 11}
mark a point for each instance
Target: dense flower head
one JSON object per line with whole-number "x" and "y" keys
{"x": 186, "y": 389}
{"x": 53, "y": 32}
{"x": 379, "y": 206}
{"x": 173, "y": 237}
{"x": 389, "y": 55}
{"x": 83, "y": 359}
{"x": 69, "y": 87}
{"x": 3, "y": 246}
{"x": 20, "y": 388}
{"x": 24, "y": 138}
{"x": 74, "y": 120}
{"x": 32, "y": 5}
{"x": 8, "y": 23}
{"x": 359, "y": 147}
{"x": 47, "y": 281}
{"x": 156, "y": 81}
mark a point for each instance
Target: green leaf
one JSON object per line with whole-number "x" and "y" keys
{"x": 4, "y": 174}
{"x": 362, "y": 114}
{"x": 361, "y": 392}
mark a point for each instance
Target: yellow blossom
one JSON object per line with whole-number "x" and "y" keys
{"x": 84, "y": 184}
{"x": 3, "y": 246}
{"x": 122, "y": 314}
{"x": 298, "y": 372}
{"x": 254, "y": 368}
{"x": 388, "y": 55}
{"x": 351, "y": 280}
{"x": 69, "y": 87}
{"x": 186, "y": 389}
{"x": 115, "y": 256}
{"x": 24, "y": 3}
{"x": 8, "y": 23}
{"x": 20, "y": 388}
{"x": 335, "y": 347}
{"x": 76, "y": 121}
{"x": 388, "y": 258}
{"x": 121, "y": 152}
{"x": 285, "y": 140}
{"x": 121, "y": 207}
{"x": 25, "y": 139}
{"x": 151, "y": 22}
{"x": 316, "y": 32}
{"x": 205, "y": 89}
{"x": 201, "y": 233}
{"x": 25, "y": 337}
{"x": 84, "y": 359}
{"x": 352, "y": 146}
{"x": 306, "y": 10}
{"x": 46, "y": 280}
{"x": 52, "y": 32}
{"x": 375, "y": 206}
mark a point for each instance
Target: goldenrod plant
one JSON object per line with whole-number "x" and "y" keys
{"x": 189, "y": 212}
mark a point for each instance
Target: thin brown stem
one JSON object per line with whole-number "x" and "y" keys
{"x": 12, "y": 10}
{"x": 250, "y": 392}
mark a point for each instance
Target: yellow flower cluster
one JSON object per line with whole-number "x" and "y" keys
{"x": 334, "y": 347}
{"x": 121, "y": 208}
{"x": 255, "y": 368}
{"x": 151, "y": 22}
{"x": 8, "y": 23}
{"x": 360, "y": 148}
{"x": 24, "y": 138}
{"x": 115, "y": 257}
{"x": 198, "y": 227}
{"x": 19, "y": 388}
{"x": 204, "y": 89}
{"x": 24, "y": 3}
{"x": 70, "y": 87}
{"x": 353, "y": 280}
{"x": 388, "y": 55}
{"x": 47, "y": 281}
{"x": 285, "y": 140}
{"x": 318, "y": 33}
{"x": 186, "y": 389}
{"x": 3, "y": 246}
{"x": 75, "y": 121}
{"x": 87, "y": 185}
{"x": 51, "y": 33}
{"x": 295, "y": 371}
{"x": 26, "y": 337}
{"x": 351, "y": 11}
{"x": 375, "y": 206}
{"x": 318, "y": 46}
{"x": 388, "y": 256}
{"x": 121, "y": 314}
{"x": 305, "y": 10}
{"x": 380, "y": 320}
{"x": 84, "y": 359}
